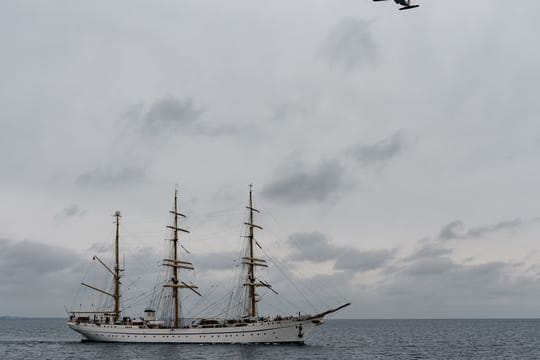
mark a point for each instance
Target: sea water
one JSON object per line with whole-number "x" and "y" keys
{"x": 336, "y": 339}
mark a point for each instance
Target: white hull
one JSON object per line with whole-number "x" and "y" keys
{"x": 284, "y": 331}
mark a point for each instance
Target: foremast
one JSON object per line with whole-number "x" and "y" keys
{"x": 116, "y": 271}
{"x": 175, "y": 284}
{"x": 117, "y": 268}
{"x": 252, "y": 262}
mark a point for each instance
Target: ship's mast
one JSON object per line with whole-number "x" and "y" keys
{"x": 116, "y": 271}
{"x": 175, "y": 263}
{"x": 251, "y": 261}
{"x": 251, "y": 266}
{"x": 117, "y": 268}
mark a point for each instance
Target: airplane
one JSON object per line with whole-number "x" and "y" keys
{"x": 406, "y": 4}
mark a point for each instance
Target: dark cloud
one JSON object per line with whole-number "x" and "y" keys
{"x": 170, "y": 114}
{"x": 24, "y": 257}
{"x": 431, "y": 266}
{"x": 456, "y": 229}
{"x": 429, "y": 283}
{"x": 451, "y": 230}
{"x": 317, "y": 184}
{"x": 380, "y": 152}
{"x": 502, "y": 225}
{"x": 70, "y": 211}
{"x": 447, "y": 273}
{"x": 111, "y": 176}
{"x": 173, "y": 116}
{"x": 29, "y": 267}
{"x": 326, "y": 180}
{"x": 440, "y": 287}
{"x": 429, "y": 250}
{"x": 316, "y": 247}
{"x": 313, "y": 246}
{"x": 350, "y": 44}
{"x": 55, "y": 272}
{"x": 355, "y": 260}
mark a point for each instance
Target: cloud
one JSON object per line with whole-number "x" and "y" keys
{"x": 23, "y": 257}
{"x": 430, "y": 284}
{"x": 355, "y": 260}
{"x": 287, "y": 111}
{"x": 380, "y": 152}
{"x": 451, "y": 230}
{"x": 429, "y": 250}
{"x": 316, "y": 184}
{"x": 55, "y": 272}
{"x": 170, "y": 114}
{"x": 31, "y": 269}
{"x": 70, "y": 211}
{"x": 110, "y": 176}
{"x": 350, "y": 44}
{"x": 326, "y": 180}
{"x": 100, "y": 248}
{"x": 443, "y": 278}
{"x": 221, "y": 129}
{"x": 431, "y": 266}
{"x": 214, "y": 261}
{"x": 173, "y": 116}
{"x": 316, "y": 247}
{"x": 456, "y": 229}
{"x": 313, "y": 246}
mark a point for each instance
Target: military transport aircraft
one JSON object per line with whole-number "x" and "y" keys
{"x": 406, "y": 4}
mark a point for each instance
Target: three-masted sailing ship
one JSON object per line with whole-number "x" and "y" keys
{"x": 248, "y": 327}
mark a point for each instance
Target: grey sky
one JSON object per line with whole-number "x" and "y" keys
{"x": 362, "y": 128}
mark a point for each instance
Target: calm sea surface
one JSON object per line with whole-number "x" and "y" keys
{"x": 337, "y": 339}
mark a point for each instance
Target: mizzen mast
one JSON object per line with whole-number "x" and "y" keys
{"x": 175, "y": 263}
{"x": 251, "y": 261}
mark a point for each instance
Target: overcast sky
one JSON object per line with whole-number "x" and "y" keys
{"x": 394, "y": 155}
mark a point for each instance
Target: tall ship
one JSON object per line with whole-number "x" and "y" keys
{"x": 248, "y": 326}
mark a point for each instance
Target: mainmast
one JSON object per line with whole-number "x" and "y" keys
{"x": 175, "y": 263}
{"x": 251, "y": 261}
